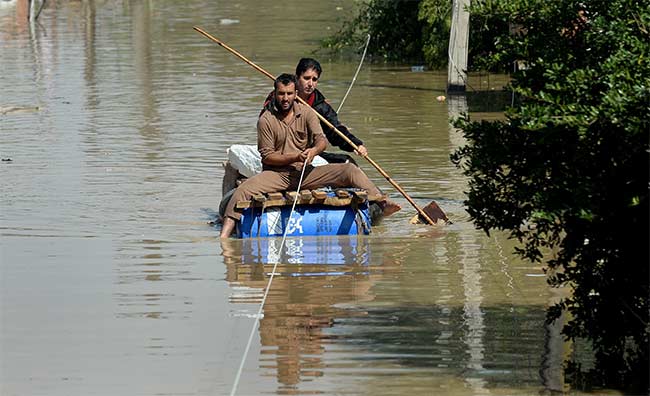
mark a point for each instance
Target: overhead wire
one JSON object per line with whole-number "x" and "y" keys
{"x": 363, "y": 56}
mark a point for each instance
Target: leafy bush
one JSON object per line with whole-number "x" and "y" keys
{"x": 413, "y": 31}
{"x": 396, "y": 33}
{"x": 567, "y": 170}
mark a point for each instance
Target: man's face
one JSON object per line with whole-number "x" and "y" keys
{"x": 285, "y": 95}
{"x": 307, "y": 82}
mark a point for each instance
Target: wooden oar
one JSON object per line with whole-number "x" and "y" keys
{"x": 436, "y": 211}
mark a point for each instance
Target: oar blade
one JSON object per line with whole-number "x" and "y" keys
{"x": 434, "y": 212}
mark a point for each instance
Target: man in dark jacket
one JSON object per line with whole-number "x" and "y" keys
{"x": 308, "y": 73}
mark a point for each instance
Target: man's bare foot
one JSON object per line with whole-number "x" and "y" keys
{"x": 390, "y": 207}
{"x": 227, "y": 227}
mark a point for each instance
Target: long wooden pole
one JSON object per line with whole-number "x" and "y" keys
{"x": 324, "y": 120}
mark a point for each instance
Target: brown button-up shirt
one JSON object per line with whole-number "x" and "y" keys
{"x": 276, "y": 136}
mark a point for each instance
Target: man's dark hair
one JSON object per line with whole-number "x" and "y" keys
{"x": 284, "y": 79}
{"x": 308, "y": 63}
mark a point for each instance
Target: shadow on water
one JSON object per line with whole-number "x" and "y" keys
{"x": 488, "y": 101}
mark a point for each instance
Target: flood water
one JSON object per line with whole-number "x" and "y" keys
{"x": 116, "y": 119}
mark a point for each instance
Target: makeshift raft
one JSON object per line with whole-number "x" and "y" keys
{"x": 321, "y": 212}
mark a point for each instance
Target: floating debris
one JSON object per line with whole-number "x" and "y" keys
{"x": 17, "y": 109}
{"x": 226, "y": 21}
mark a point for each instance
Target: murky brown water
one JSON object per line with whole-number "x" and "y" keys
{"x": 116, "y": 116}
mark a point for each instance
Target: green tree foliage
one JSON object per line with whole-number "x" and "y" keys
{"x": 401, "y": 31}
{"x": 567, "y": 170}
{"x": 435, "y": 15}
{"x": 393, "y": 25}
{"x": 413, "y": 31}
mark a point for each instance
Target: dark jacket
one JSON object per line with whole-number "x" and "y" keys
{"x": 323, "y": 108}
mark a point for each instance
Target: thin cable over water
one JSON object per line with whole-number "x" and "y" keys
{"x": 268, "y": 287}
{"x": 355, "y": 75}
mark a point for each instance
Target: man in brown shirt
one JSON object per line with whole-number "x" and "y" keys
{"x": 289, "y": 136}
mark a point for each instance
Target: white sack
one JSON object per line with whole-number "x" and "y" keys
{"x": 247, "y": 160}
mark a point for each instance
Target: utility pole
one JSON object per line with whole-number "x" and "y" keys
{"x": 458, "y": 45}
{"x": 32, "y": 10}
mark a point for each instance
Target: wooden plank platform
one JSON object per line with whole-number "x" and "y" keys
{"x": 319, "y": 194}
{"x": 306, "y": 197}
{"x": 342, "y": 193}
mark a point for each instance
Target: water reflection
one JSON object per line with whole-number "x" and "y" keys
{"x": 90, "y": 54}
{"x": 306, "y": 250}
{"x": 556, "y": 350}
{"x": 404, "y": 314}
{"x": 473, "y": 314}
{"x": 144, "y": 72}
{"x": 143, "y": 284}
{"x": 472, "y": 289}
{"x": 303, "y": 302}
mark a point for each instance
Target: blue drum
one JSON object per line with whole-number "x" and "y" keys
{"x": 305, "y": 220}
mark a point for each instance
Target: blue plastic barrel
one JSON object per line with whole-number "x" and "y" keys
{"x": 306, "y": 220}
